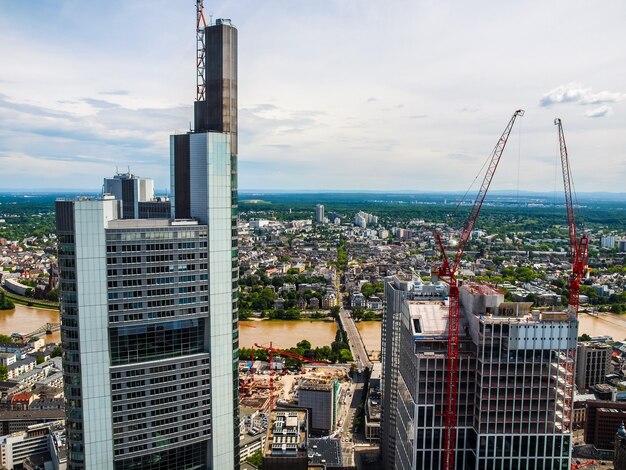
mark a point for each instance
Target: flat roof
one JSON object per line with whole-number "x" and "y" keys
{"x": 429, "y": 318}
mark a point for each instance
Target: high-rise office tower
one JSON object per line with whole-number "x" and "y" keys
{"x": 319, "y": 213}
{"x": 513, "y": 406}
{"x": 398, "y": 288}
{"x": 204, "y": 187}
{"x": 149, "y": 306}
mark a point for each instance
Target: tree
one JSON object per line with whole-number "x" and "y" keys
{"x": 6, "y": 339}
{"x": 304, "y": 344}
{"x": 5, "y": 302}
{"x": 4, "y": 372}
{"x": 345, "y": 355}
{"x": 57, "y": 352}
{"x": 584, "y": 337}
{"x": 256, "y": 459}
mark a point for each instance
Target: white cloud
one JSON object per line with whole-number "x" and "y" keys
{"x": 575, "y": 92}
{"x": 377, "y": 95}
{"x": 598, "y": 112}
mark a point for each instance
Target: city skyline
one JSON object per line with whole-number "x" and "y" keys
{"x": 409, "y": 96}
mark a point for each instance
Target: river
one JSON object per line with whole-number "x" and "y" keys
{"x": 370, "y": 333}
{"x": 605, "y": 324}
{"x": 286, "y": 334}
{"x": 26, "y": 319}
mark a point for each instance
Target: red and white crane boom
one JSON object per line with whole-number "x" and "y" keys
{"x": 579, "y": 248}
{"x": 447, "y": 273}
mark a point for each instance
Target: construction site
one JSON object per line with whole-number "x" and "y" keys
{"x": 265, "y": 384}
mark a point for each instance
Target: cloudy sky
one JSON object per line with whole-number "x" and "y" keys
{"x": 344, "y": 94}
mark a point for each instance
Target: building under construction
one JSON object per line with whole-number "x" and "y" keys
{"x": 513, "y": 404}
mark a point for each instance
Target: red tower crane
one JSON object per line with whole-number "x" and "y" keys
{"x": 280, "y": 352}
{"x": 579, "y": 248}
{"x": 447, "y": 273}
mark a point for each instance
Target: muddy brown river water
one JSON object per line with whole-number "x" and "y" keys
{"x": 27, "y": 319}
{"x": 285, "y": 334}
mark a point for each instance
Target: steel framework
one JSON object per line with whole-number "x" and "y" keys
{"x": 200, "y": 52}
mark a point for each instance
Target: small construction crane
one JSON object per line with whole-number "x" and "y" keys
{"x": 447, "y": 273}
{"x": 280, "y": 352}
{"x": 579, "y": 248}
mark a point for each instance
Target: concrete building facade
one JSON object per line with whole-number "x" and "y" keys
{"x": 321, "y": 400}
{"x": 593, "y": 363}
{"x": 513, "y": 409}
{"x": 397, "y": 289}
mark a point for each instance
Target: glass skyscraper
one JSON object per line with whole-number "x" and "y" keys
{"x": 149, "y": 306}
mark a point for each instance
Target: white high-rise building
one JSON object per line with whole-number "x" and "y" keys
{"x": 149, "y": 306}
{"x": 607, "y": 242}
{"x": 319, "y": 213}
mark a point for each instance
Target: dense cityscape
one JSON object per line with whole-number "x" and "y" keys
{"x": 201, "y": 326}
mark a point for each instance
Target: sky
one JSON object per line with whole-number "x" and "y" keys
{"x": 333, "y": 95}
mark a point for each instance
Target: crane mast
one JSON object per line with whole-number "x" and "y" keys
{"x": 200, "y": 52}
{"x": 579, "y": 248}
{"x": 447, "y": 273}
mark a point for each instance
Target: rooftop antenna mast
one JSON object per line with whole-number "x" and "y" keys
{"x": 200, "y": 52}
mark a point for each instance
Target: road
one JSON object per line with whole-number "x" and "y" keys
{"x": 354, "y": 340}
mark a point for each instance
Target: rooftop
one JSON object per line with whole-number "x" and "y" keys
{"x": 429, "y": 318}
{"x": 325, "y": 451}
{"x": 286, "y": 434}
{"x": 315, "y": 385}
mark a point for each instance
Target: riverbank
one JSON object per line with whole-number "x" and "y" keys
{"x": 29, "y": 301}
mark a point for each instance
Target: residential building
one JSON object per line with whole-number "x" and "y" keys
{"x": 149, "y": 306}
{"x": 593, "y": 363}
{"x": 19, "y": 420}
{"x": 250, "y": 444}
